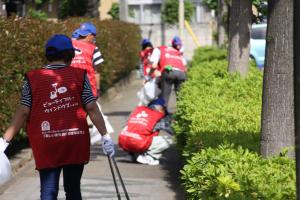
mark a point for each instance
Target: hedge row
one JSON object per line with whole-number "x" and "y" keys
{"x": 218, "y": 130}
{"x": 22, "y": 48}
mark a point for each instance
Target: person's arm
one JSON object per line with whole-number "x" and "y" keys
{"x": 154, "y": 60}
{"x": 18, "y": 120}
{"x": 98, "y": 78}
{"x": 97, "y": 60}
{"x": 96, "y": 117}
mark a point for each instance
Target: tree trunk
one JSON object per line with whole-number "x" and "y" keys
{"x": 278, "y": 90}
{"x": 297, "y": 90}
{"x": 222, "y": 23}
{"x": 239, "y": 36}
{"x": 92, "y": 8}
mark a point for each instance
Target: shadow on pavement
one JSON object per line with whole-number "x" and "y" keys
{"x": 120, "y": 113}
{"x": 172, "y": 163}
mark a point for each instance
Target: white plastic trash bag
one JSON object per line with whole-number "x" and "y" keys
{"x": 5, "y": 168}
{"x": 94, "y": 133}
{"x": 149, "y": 92}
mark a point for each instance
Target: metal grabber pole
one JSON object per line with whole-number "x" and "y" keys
{"x": 114, "y": 178}
{"x": 120, "y": 177}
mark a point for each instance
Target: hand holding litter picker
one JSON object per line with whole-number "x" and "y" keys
{"x": 108, "y": 145}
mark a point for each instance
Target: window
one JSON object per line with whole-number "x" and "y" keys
{"x": 134, "y": 13}
{"x": 259, "y": 33}
{"x": 151, "y": 14}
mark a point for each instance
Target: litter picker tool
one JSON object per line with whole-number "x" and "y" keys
{"x": 114, "y": 178}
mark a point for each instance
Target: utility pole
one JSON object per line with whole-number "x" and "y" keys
{"x": 297, "y": 92}
{"x": 181, "y": 18}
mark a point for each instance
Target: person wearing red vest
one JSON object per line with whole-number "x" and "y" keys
{"x": 172, "y": 66}
{"x": 140, "y": 138}
{"x": 87, "y": 54}
{"x": 145, "y": 54}
{"x": 55, "y": 102}
{"x": 88, "y": 57}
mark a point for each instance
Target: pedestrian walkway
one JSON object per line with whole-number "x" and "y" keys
{"x": 143, "y": 182}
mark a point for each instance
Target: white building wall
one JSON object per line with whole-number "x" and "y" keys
{"x": 160, "y": 34}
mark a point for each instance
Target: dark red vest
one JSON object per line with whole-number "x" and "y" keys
{"x": 137, "y": 135}
{"x": 57, "y": 127}
{"x": 83, "y": 59}
{"x": 145, "y": 58}
{"x": 172, "y": 57}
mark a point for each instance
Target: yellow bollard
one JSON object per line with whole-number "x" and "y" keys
{"x": 188, "y": 27}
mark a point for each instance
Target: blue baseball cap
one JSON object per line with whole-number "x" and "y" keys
{"x": 58, "y": 43}
{"x": 86, "y": 29}
{"x": 176, "y": 41}
{"x": 145, "y": 42}
{"x": 159, "y": 101}
{"x": 75, "y": 34}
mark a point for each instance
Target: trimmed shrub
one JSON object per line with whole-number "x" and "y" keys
{"x": 217, "y": 125}
{"x": 22, "y": 49}
{"x": 216, "y": 107}
{"x": 238, "y": 174}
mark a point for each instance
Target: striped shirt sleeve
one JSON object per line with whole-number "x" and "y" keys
{"x": 26, "y": 93}
{"x": 86, "y": 96}
{"x": 97, "y": 57}
{"x": 87, "y": 93}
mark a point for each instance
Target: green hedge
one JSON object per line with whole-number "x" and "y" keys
{"x": 216, "y": 107}
{"x": 218, "y": 131}
{"x": 22, "y": 48}
{"x": 237, "y": 174}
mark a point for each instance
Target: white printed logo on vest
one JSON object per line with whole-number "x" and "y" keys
{"x": 78, "y": 51}
{"x": 142, "y": 114}
{"x": 60, "y": 90}
{"x": 45, "y": 126}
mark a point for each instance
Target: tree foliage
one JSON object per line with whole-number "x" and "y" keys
{"x": 72, "y": 8}
{"x": 259, "y": 4}
{"x": 114, "y": 11}
{"x": 170, "y": 11}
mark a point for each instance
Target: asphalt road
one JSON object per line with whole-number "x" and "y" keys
{"x": 143, "y": 182}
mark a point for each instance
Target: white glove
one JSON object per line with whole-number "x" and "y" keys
{"x": 3, "y": 144}
{"x": 108, "y": 145}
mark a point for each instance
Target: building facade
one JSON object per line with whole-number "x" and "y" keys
{"x": 147, "y": 13}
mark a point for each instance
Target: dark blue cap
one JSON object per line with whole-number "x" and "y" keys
{"x": 86, "y": 29}
{"x": 58, "y": 43}
{"x": 145, "y": 42}
{"x": 176, "y": 41}
{"x": 159, "y": 101}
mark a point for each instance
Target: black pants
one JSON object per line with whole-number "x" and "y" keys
{"x": 168, "y": 79}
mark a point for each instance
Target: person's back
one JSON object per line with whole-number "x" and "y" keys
{"x": 54, "y": 104}
{"x": 84, "y": 60}
{"x": 145, "y": 54}
{"x": 172, "y": 67}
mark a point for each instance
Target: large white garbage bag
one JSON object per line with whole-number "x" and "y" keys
{"x": 5, "y": 168}
{"x": 149, "y": 92}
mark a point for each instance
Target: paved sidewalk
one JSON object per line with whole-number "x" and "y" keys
{"x": 143, "y": 182}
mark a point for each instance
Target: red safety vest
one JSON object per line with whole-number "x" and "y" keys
{"x": 83, "y": 59}
{"x": 172, "y": 57}
{"x": 57, "y": 127}
{"x": 145, "y": 58}
{"x": 137, "y": 135}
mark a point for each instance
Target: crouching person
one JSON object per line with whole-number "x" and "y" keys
{"x": 55, "y": 102}
{"x": 140, "y": 137}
